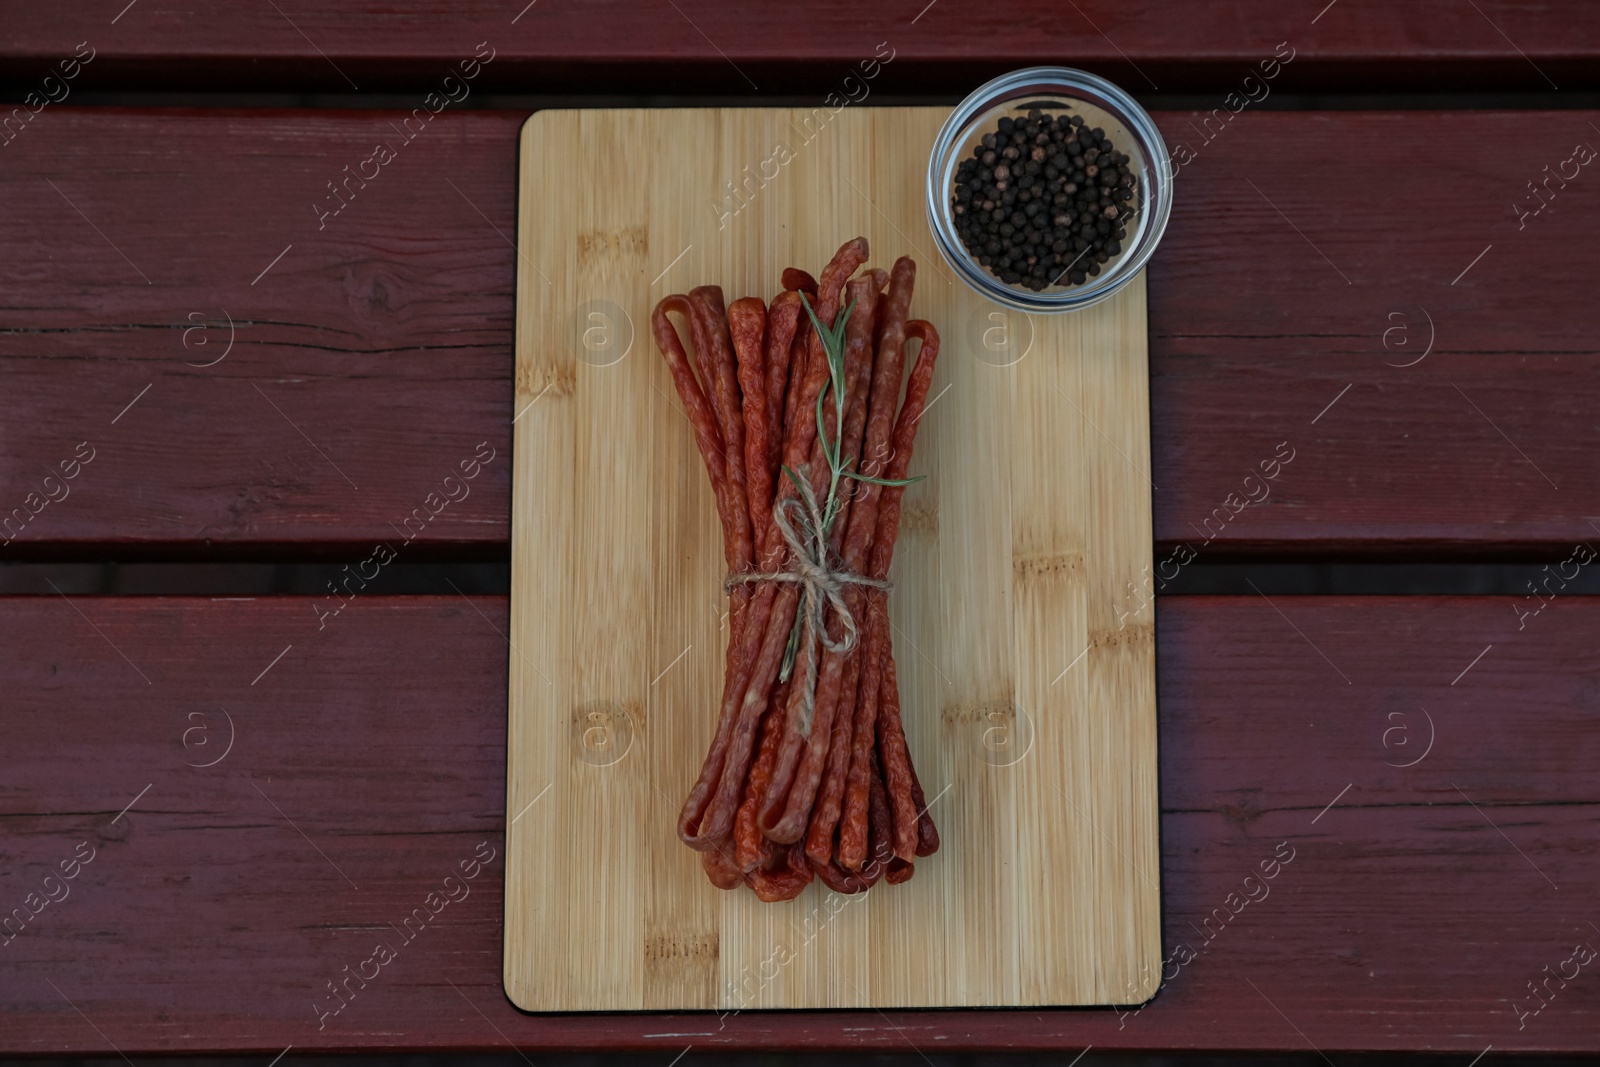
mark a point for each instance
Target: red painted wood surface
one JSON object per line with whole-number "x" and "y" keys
{"x": 371, "y": 350}
{"x": 368, "y": 762}
{"x": 1307, "y": 253}
{"x": 697, "y": 45}
{"x": 1381, "y": 252}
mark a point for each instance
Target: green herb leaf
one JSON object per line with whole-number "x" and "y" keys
{"x": 795, "y": 478}
{"x": 833, "y": 346}
{"x": 882, "y": 481}
{"x": 791, "y": 650}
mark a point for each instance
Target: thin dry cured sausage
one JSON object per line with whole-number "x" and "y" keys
{"x": 807, "y": 777}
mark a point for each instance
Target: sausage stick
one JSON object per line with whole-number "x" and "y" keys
{"x": 783, "y": 321}
{"x": 747, "y": 325}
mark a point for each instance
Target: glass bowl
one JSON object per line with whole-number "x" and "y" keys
{"x": 1054, "y": 91}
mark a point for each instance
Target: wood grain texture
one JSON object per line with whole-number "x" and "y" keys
{"x": 206, "y": 922}
{"x": 366, "y": 363}
{"x": 387, "y": 337}
{"x": 1012, "y": 551}
{"x": 1358, "y": 263}
{"x": 702, "y": 46}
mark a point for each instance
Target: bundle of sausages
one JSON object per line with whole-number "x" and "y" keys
{"x": 808, "y": 773}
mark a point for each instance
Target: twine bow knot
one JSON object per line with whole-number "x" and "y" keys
{"x": 821, "y": 584}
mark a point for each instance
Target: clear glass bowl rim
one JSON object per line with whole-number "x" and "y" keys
{"x": 1075, "y": 84}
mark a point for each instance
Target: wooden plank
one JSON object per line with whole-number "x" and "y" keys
{"x": 1462, "y": 331}
{"x": 370, "y": 349}
{"x": 1027, "y": 532}
{"x": 701, "y": 46}
{"x": 1413, "y": 913}
{"x": 387, "y": 337}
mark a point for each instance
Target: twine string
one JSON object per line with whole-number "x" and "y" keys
{"x": 822, "y": 585}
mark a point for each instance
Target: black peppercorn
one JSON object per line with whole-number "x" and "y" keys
{"x": 1041, "y": 200}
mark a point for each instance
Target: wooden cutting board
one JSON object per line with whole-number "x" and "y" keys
{"x": 1024, "y": 641}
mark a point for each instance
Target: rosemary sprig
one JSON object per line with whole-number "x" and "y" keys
{"x": 833, "y": 344}
{"x": 833, "y": 347}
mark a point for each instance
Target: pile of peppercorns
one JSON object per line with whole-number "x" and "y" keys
{"x": 1043, "y": 200}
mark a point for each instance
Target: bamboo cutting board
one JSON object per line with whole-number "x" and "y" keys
{"x": 1025, "y": 645}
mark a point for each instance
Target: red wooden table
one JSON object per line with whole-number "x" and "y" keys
{"x": 199, "y": 366}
